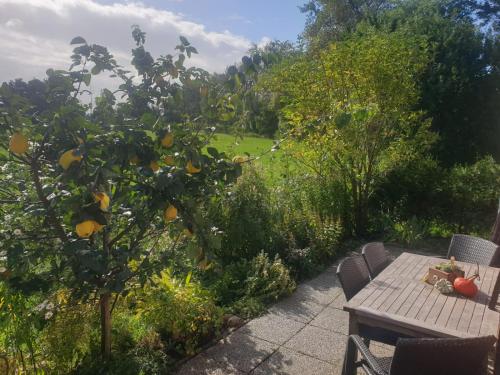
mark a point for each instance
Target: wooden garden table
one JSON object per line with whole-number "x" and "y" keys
{"x": 399, "y": 300}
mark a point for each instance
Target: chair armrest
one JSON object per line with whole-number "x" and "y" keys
{"x": 367, "y": 357}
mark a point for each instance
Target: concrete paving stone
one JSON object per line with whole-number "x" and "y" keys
{"x": 241, "y": 351}
{"x": 297, "y": 308}
{"x": 381, "y": 350}
{"x": 332, "y": 319}
{"x": 285, "y": 361}
{"x": 318, "y": 294}
{"x": 272, "y": 327}
{"x": 204, "y": 365}
{"x": 339, "y": 302}
{"x": 319, "y": 343}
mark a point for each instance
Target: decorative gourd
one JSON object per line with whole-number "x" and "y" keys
{"x": 443, "y": 286}
{"x": 466, "y": 286}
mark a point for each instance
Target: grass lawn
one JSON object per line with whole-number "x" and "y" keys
{"x": 272, "y": 164}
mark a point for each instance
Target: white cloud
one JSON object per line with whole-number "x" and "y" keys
{"x": 265, "y": 40}
{"x": 36, "y": 34}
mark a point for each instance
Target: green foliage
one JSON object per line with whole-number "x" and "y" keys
{"x": 462, "y": 199}
{"x": 66, "y": 339}
{"x": 408, "y": 232}
{"x": 263, "y": 152}
{"x": 245, "y": 218}
{"x": 352, "y": 106}
{"x": 86, "y": 198}
{"x": 310, "y": 234}
{"x": 232, "y": 102}
{"x": 19, "y": 323}
{"x": 330, "y": 20}
{"x": 472, "y": 193}
{"x": 181, "y": 311}
{"x": 248, "y": 285}
{"x": 458, "y": 88}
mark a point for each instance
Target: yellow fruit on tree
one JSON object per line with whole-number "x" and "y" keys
{"x": 168, "y": 140}
{"x": 170, "y": 213}
{"x": 85, "y": 228}
{"x": 103, "y": 200}
{"x": 154, "y": 166}
{"x": 169, "y": 160}
{"x": 68, "y": 158}
{"x": 97, "y": 227}
{"x": 18, "y": 143}
{"x": 190, "y": 168}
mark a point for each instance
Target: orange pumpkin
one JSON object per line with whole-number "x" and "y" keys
{"x": 466, "y": 286}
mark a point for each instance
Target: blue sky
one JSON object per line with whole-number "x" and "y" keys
{"x": 254, "y": 19}
{"x": 36, "y": 33}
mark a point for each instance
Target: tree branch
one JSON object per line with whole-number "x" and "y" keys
{"x": 51, "y": 217}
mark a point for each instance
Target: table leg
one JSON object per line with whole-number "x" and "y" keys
{"x": 496, "y": 360}
{"x": 351, "y": 352}
{"x": 353, "y": 324}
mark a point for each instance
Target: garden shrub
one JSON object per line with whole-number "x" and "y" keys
{"x": 472, "y": 195}
{"x": 422, "y": 198}
{"x": 245, "y": 217}
{"x": 408, "y": 231}
{"x": 245, "y": 287}
{"x": 66, "y": 339}
{"x": 309, "y": 238}
{"x": 268, "y": 279}
{"x": 183, "y": 313}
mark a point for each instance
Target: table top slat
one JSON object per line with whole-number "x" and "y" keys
{"x": 449, "y": 306}
{"x": 478, "y": 314}
{"x": 470, "y": 305}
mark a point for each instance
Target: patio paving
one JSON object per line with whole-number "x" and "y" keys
{"x": 304, "y": 334}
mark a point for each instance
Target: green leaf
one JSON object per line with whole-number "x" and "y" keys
{"x": 86, "y": 78}
{"x": 213, "y": 152}
{"x": 78, "y": 40}
{"x": 184, "y": 40}
{"x": 188, "y": 277}
{"x": 95, "y": 70}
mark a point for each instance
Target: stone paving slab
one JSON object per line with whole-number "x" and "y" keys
{"x": 285, "y": 361}
{"x": 297, "y": 308}
{"x": 265, "y": 328}
{"x": 319, "y": 343}
{"x": 241, "y": 351}
{"x": 333, "y": 320}
{"x": 204, "y": 365}
{"x": 339, "y": 302}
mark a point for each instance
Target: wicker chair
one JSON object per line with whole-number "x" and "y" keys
{"x": 354, "y": 276}
{"x": 422, "y": 357}
{"x": 473, "y": 250}
{"x": 375, "y": 257}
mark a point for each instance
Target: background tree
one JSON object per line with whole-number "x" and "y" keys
{"x": 232, "y": 100}
{"x": 459, "y": 86}
{"x": 332, "y": 20}
{"x": 352, "y": 107}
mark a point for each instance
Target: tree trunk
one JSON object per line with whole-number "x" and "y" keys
{"x": 105, "y": 325}
{"x": 495, "y": 235}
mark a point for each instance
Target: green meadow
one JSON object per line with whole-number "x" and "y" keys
{"x": 272, "y": 163}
